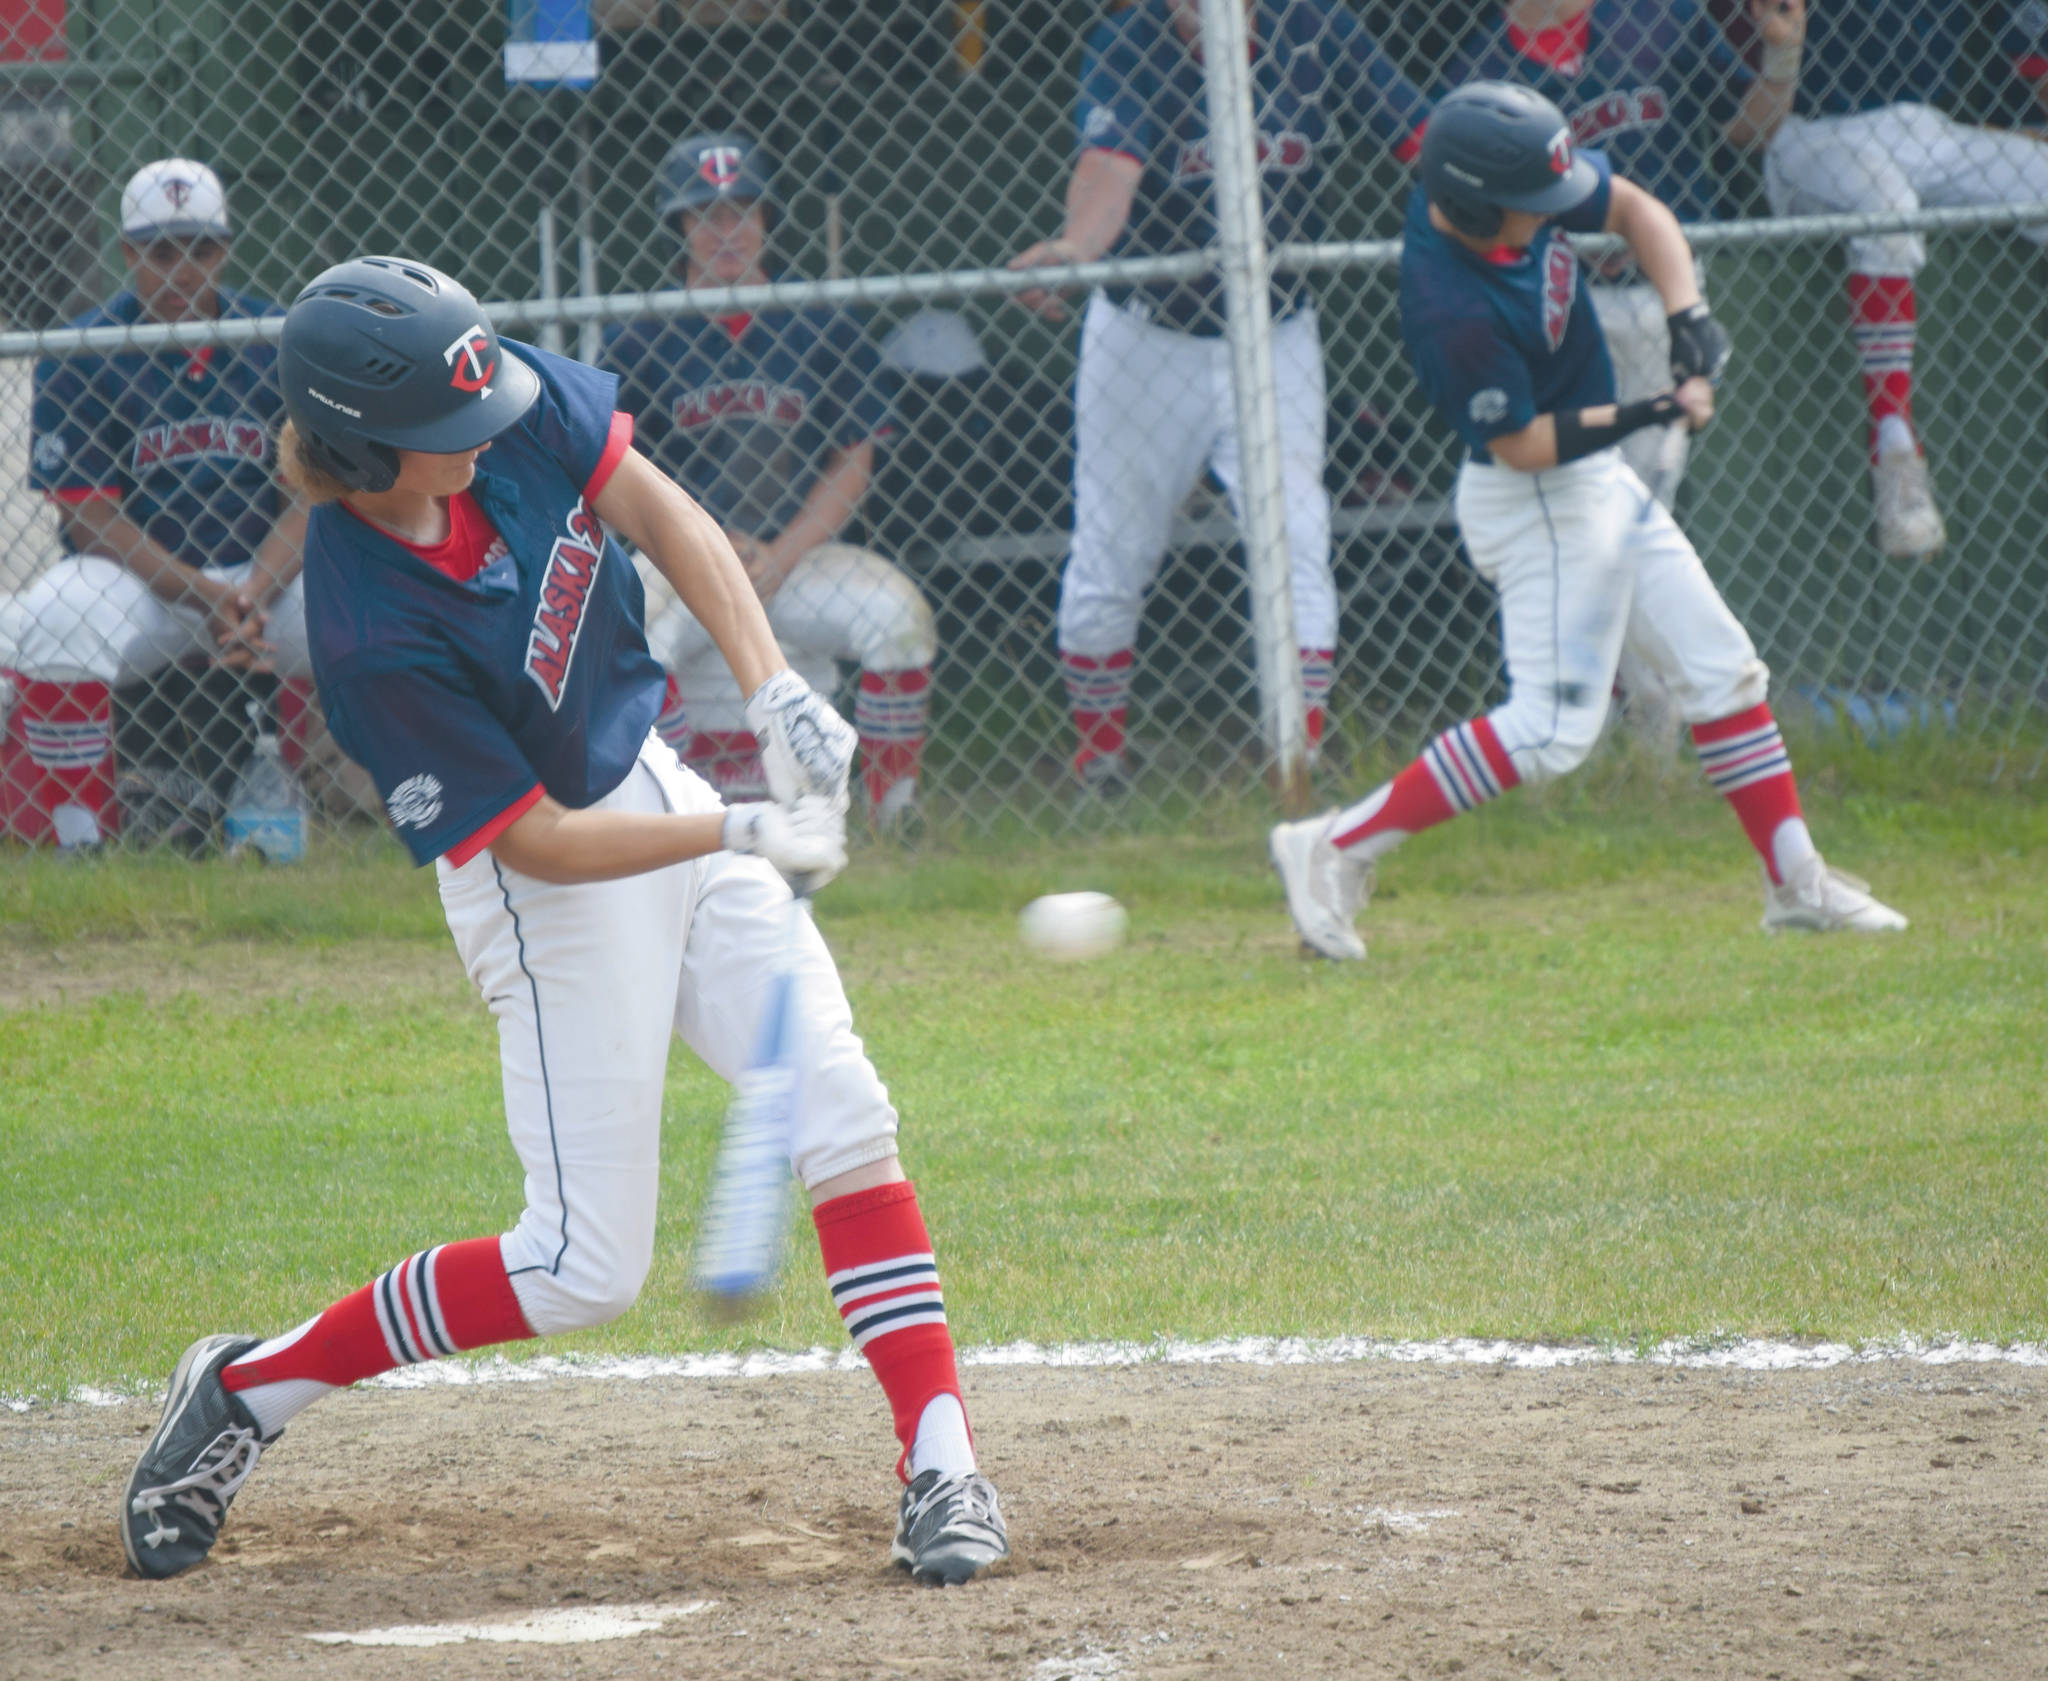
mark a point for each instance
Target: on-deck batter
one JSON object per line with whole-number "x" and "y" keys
{"x": 1510, "y": 353}
{"x": 477, "y": 640}
{"x": 1152, "y": 396}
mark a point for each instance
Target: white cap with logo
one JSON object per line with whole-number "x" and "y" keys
{"x": 174, "y": 198}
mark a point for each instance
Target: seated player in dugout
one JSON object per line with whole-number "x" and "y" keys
{"x": 772, "y": 420}
{"x": 478, "y": 641}
{"x": 1510, "y": 353}
{"x": 178, "y": 540}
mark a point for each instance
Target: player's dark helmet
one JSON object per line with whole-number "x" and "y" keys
{"x": 1495, "y": 146}
{"x": 705, "y": 168}
{"x": 383, "y": 354}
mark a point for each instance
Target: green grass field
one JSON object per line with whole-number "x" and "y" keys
{"x": 1572, "y": 1094}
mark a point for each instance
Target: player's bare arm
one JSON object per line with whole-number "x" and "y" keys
{"x": 1781, "y": 26}
{"x": 1551, "y": 439}
{"x": 553, "y": 843}
{"x": 691, "y": 550}
{"x": 827, "y": 506}
{"x": 1658, "y": 244}
{"x": 1099, "y": 197}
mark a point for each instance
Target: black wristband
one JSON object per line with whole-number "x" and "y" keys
{"x": 1575, "y": 438}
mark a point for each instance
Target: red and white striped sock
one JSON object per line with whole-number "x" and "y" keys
{"x": 1745, "y": 759}
{"x": 885, "y": 1283}
{"x": 443, "y": 1300}
{"x": 891, "y": 712}
{"x": 1099, "y": 695}
{"x": 1460, "y": 770}
{"x": 1883, "y": 319}
{"x": 57, "y": 763}
{"x": 1316, "y": 666}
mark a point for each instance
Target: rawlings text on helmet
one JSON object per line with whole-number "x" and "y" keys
{"x": 473, "y": 360}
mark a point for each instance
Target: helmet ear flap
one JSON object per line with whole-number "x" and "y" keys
{"x": 375, "y": 470}
{"x": 1473, "y": 220}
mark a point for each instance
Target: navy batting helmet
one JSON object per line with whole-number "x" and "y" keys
{"x": 1494, "y": 146}
{"x": 705, "y": 168}
{"x": 383, "y": 354}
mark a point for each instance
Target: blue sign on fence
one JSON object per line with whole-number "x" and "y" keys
{"x": 548, "y": 44}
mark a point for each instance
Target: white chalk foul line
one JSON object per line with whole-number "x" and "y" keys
{"x": 1691, "y": 1353}
{"x": 571, "y": 1626}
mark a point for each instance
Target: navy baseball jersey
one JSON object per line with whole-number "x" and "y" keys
{"x": 1143, "y": 94}
{"x": 747, "y": 420}
{"x": 461, "y": 699}
{"x": 1498, "y": 339}
{"x": 1874, "y": 53}
{"x": 181, "y": 438}
{"x": 1651, "y": 82}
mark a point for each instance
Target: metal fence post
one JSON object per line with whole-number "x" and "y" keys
{"x": 1246, "y": 266}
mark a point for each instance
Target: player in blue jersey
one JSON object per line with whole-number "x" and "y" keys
{"x": 1510, "y": 354}
{"x": 178, "y": 538}
{"x": 1868, "y": 134}
{"x": 772, "y": 421}
{"x": 477, "y": 639}
{"x": 1152, "y": 396}
{"x": 1651, "y": 83}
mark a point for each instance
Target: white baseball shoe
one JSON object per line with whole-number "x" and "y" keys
{"x": 1325, "y": 888}
{"x": 1817, "y": 898}
{"x": 1909, "y": 525}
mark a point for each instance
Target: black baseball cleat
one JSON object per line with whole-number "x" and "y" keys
{"x": 204, "y": 1448}
{"x": 949, "y": 1529}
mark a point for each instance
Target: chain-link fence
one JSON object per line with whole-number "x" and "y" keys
{"x": 939, "y": 308}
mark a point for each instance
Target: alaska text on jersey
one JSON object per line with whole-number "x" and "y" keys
{"x": 564, "y": 593}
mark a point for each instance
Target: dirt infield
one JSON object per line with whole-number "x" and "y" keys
{"x": 1365, "y": 1519}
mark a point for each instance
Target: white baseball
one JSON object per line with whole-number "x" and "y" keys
{"x": 1068, "y": 927}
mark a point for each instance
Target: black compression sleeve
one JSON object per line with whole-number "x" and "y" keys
{"x": 1575, "y": 438}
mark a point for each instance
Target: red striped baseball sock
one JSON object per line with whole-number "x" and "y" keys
{"x": 890, "y": 712}
{"x": 1883, "y": 319}
{"x": 1316, "y": 666}
{"x": 1745, "y": 759}
{"x": 1461, "y": 769}
{"x": 885, "y": 1282}
{"x": 57, "y": 763}
{"x": 452, "y": 1297}
{"x": 1099, "y": 695}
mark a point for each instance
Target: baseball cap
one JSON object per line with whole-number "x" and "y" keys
{"x": 174, "y": 198}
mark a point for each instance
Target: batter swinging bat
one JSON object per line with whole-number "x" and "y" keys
{"x": 747, "y": 1206}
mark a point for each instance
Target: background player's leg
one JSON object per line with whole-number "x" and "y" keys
{"x": 851, "y": 604}
{"x": 81, "y": 630}
{"x": 1875, "y": 161}
{"x": 704, "y": 716}
{"x": 1304, "y": 428}
{"x": 878, "y": 1257}
{"x": 582, "y": 981}
{"x": 1143, "y": 425}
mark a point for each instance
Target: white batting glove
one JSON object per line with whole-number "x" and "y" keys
{"x": 806, "y": 747}
{"x": 806, "y": 840}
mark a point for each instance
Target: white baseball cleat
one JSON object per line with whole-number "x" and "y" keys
{"x": 1325, "y": 889}
{"x": 1817, "y": 898}
{"x": 1909, "y": 525}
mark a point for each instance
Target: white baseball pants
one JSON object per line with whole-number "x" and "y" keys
{"x": 838, "y": 603}
{"x": 1901, "y": 157}
{"x": 1586, "y": 561}
{"x": 89, "y": 619}
{"x": 1152, "y": 408}
{"x": 588, "y": 984}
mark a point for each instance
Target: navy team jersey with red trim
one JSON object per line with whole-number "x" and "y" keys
{"x": 182, "y": 439}
{"x": 1654, "y": 72}
{"x": 460, "y": 698}
{"x": 1873, "y": 53}
{"x": 746, "y": 422}
{"x": 1496, "y": 343}
{"x": 1143, "y": 94}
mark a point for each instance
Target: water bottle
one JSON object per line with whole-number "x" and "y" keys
{"x": 268, "y": 811}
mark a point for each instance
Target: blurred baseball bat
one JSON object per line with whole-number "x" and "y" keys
{"x": 740, "y": 1237}
{"x": 1669, "y": 464}
{"x": 833, "y": 184}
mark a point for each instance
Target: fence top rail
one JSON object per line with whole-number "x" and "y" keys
{"x": 990, "y": 282}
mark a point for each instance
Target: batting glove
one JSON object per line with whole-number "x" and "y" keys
{"x": 1700, "y": 346}
{"x": 806, "y": 747}
{"x": 806, "y": 840}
